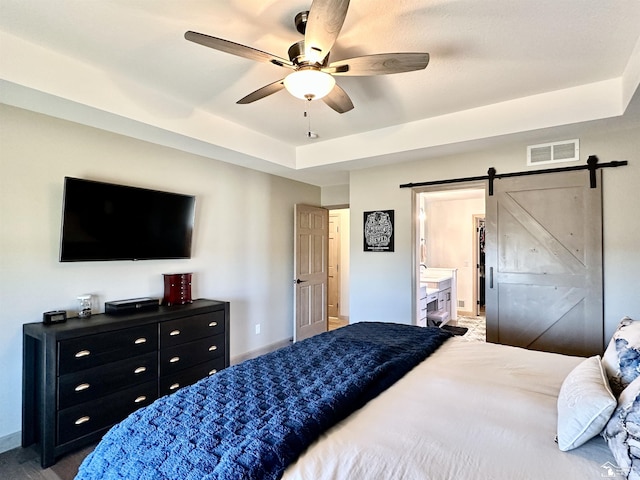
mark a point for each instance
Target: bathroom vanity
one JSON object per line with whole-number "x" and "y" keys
{"x": 437, "y": 294}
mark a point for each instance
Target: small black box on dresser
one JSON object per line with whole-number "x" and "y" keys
{"x": 83, "y": 376}
{"x": 130, "y": 305}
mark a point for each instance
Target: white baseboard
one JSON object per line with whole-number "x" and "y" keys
{"x": 11, "y": 441}
{"x": 261, "y": 351}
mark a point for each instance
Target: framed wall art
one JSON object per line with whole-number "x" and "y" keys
{"x": 378, "y": 231}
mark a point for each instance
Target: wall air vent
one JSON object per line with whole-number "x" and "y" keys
{"x": 555, "y": 152}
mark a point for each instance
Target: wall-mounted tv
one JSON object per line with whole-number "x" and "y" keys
{"x": 103, "y": 221}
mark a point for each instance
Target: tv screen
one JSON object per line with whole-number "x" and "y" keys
{"x": 104, "y": 221}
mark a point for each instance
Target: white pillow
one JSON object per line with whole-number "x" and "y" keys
{"x": 621, "y": 359}
{"x": 622, "y": 432}
{"x": 585, "y": 404}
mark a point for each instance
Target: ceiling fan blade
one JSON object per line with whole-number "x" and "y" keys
{"x": 324, "y": 23}
{"x": 338, "y": 100}
{"x": 380, "y": 64}
{"x": 263, "y": 92}
{"x": 236, "y": 49}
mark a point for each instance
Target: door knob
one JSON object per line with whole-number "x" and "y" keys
{"x": 298, "y": 281}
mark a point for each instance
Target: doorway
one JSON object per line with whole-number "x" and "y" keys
{"x": 338, "y": 258}
{"x": 447, "y": 238}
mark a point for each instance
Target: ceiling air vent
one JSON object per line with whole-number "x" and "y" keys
{"x": 555, "y": 152}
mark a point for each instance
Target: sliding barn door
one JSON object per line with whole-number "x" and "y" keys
{"x": 544, "y": 263}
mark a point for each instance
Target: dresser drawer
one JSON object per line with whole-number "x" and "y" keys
{"x": 91, "y": 383}
{"x": 423, "y": 291}
{"x": 93, "y": 350}
{"x": 191, "y": 328}
{"x": 423, "y": 304}
{"x": 180, "y": 357}
{"x": 80, "y": 420}
{"x": 171, "y": 383}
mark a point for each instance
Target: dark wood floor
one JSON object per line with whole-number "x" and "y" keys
{"x": 24, "y": 463}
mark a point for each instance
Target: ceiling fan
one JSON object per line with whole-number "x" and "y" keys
{"x": 312, "y": 74}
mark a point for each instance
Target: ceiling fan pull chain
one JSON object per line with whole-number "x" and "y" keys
{"x": 310, "y": 133}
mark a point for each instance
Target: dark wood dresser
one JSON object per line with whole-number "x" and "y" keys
{"x": 83, "y": 376}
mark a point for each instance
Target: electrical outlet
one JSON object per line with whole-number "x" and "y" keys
{"x": 257, "y": 329}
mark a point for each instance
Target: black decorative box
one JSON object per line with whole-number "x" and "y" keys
{"x": 131, "y": 305}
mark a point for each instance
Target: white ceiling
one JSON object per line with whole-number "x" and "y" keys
{"x": 498, "y": 68}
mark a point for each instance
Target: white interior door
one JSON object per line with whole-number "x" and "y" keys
{"x": 544, "y": 263}
{"x": 311, "y": 231}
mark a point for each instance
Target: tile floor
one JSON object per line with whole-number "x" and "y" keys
{"x": 477, "y": 328}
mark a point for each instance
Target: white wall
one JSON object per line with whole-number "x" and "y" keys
{"x": 381, "y": 283}
{"x": 450, "y": 242}
{"x": 243, "y": 244}
{"x": 335, "y": 196}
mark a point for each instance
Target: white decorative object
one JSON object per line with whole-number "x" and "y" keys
{"x": 585, "y": 404}
{"x": 84, "y": 303}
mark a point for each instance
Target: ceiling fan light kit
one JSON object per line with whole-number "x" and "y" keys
{"x": 312, "y": 76}
{"x": 309, "y": 84}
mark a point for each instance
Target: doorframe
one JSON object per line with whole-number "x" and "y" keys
{"x": 338, "y": 251}
{"x": 415, "y": 232}
{"x": 475, "y": 299}
{"x": 345, "y": 285}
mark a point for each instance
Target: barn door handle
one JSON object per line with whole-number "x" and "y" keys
{"x": 490, "y": 277}
{"x": 298, "y": 281}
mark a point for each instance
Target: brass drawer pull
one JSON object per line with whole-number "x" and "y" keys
{"x": 173, "y": 333}
{"x": 140, "y": 340}
{"x": 213, "y": 324}
{"x": 82, "y": 420}
{"x": 140, "y": 370}
{"x": 81, "y": 387}
{"x": 174, "y": 386}
{"x": 211, "y": 372}
{"x": 174, "y": 359}
{"x": 83, "y": 353}
{"x": 141, "y": 398}
{"x": 212, "y": 348}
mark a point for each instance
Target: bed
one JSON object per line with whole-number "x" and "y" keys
{"x": 458, "y": 410}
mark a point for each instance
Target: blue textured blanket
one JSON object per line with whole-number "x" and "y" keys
{"x": 251, "y": 420}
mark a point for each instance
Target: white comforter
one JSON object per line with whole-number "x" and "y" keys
{"x": 471, "y": 411}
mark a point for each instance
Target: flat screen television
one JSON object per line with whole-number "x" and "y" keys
{"x": 105, "y": 221}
